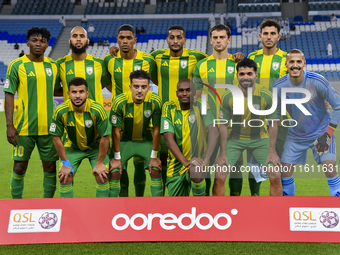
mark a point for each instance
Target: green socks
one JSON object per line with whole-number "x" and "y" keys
{"x": 103, "y": 189}
{"x": 156, "y": 187}
{"x": 114, "y": 188}
{"x": 17, "y": 185}
{"x": 198, "y": 189}
{"x": 66, "y": 191}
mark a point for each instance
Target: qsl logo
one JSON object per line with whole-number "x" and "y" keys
{"x": 169, "y": 221}
{"x": 329, "y": 219}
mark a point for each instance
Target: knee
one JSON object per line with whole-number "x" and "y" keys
{"x": 49, "y": 166}
{"x": 115, "y": 176}
{"x": 219, "y": 182}
{"x": 20, "y": 167}
{"x": 197, "y": 180}
{"x": 275, "y": 182}
{"x": 155, "y": 174}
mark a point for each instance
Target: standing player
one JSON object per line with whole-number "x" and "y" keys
{"x": 88, "y": 129}
{"x": 315, "y": 131}
{"x": 173, "y": 65}
{"x": 34, "y": 77}
{"x": 184, "y": 130}
{"x": 270, "y": 66}
{"x": 129, "y": 59}
{"x": 242, "y": 137}
{"x": 81, "y": 64}
{"x": 219, "y": 68}
{"x": 131, "y": 115}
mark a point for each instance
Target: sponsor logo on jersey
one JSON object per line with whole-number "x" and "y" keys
{"x": 88, "y": 123}
{"x": 52, "y": 127}
{"x": 165, "y": 64}
{"x": 31, "y": 74}
{"x": 71, "y": 124}
{"x": 178, "y": 122}
{"x": 114, "y": 119}
{"x": 129, "y": 115}
{"x": 275, "y": 65}
{"x": 89, "y": 70}
{"x": 211, "y": 70}
{"x": 166, "y": 124}
{"x": 118, "y": 70}
{"x": 230, "y": 69}
{"x": 184, "y": 63}
{"x": 147, "y": 113}
{"x": 136, "y": 68}
{"x": 49, "y": 71}
{"x": 192, "y": 118}
{"x": 70, "y": 72}
{"x": 6, "y": 84}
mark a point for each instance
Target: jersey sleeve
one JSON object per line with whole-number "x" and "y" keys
{"x": 156, "y": 117}
{"x": 109, "y": 62}
{"x": 208, "y": 118}
{"x": 225, "y": 109}
{"x": 269, "y": 102}
{"x": 153, "y": 68}
{"x": 57, "y": 124}
{"x": 197, "y": 78}
{"x": 57, "y": 77}
{"x": 102, "y": 122}
{"x": 332, "y": 96}
{"x": 116, "y": 113}
{"x": 12, "y": 78}
{"x": 106, "y": 77}
{"x": 166, "y": 120}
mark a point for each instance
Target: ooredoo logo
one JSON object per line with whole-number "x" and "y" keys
{"x": 168, "y": 221}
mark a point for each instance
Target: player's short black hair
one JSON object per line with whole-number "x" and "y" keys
{"x": 126, "y": 27}
{"x": 247, "y": 62}
{"x": 176, "y": 27}
{"x": 38, "y": 31}
{"x": 220, "y": 27}
{"x": 270, "y": 23}
{"x": 77, "y": 81}
{"x": 295, "y": 51}
{"x": 140, "y": 74}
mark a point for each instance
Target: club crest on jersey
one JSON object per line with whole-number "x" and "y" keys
{"x": 6, "y": 84}
{"x": 166, "y": 124}
{"x": 88, "y": 123}
{"x": 114, "y": 119}
{"x": 275, "y": 65}
{"x": 135, "y": 68}
{"x": 230, "y": 69}
{"x": 192, "y": 118}
{"x": 221, "y": 115}
{"x": 49, "y": 71}
{"x": 147, "y": 113}
{"x": 184, "y": 63}
{"x": 89, "y": 70}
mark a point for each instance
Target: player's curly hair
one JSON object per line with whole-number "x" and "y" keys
{"x": 247, "y": 62}
{"x": 176, "y": 27}
{"x": 77, "y": 81}
{"x": 140, "y": 74}
{"x": 126, "y": 27}
{"x": 220, "y": 27}
{"x": 270, "y": 23}
{"x": 38, "y": 31}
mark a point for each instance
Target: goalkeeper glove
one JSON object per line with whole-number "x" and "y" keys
{"x": 323, "y": 142}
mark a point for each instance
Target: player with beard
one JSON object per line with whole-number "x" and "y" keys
{"x": 255, "y": 139}
{"x": 315, "y": 131}
{"x": 88, "y": 129}
{"x": 127, "y": 60}
{"x": 81, "y": 64}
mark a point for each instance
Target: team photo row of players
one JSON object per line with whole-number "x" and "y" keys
{"x": 168, "y": 133}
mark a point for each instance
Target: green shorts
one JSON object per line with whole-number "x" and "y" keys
{"x": 75, "y": 156}
{"x": 281, "y": 139}
{"x": 26, "y": 144}
{"x": 179, "y": 185}
{"x": 259, "y": 148}
{"x": 129, "y": 149}
{"x": 164, "y": 149}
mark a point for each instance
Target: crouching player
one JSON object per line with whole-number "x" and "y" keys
{"x": 88, "y": 129}
{"x": 184, "y": 130}
{"x": 131, "y": 115}
{"x": 313, "y": 131}
{"x": 243, "y": 136}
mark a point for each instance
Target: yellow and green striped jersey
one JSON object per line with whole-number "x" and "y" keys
{"x": 92, "y": 69}
{"x": 84, "y": 130}
{"x": 171, "y": 70}
{"x": 269, "y": 67}
{"x": 262, "y": 100}
{"x": 35, "y": 83}
{"x": 189, "y": 129}
{"x": 120, "y": 70}
{"x": 134, "y": 119}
